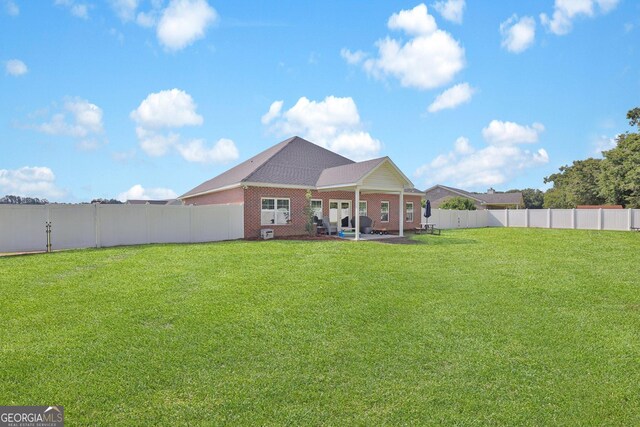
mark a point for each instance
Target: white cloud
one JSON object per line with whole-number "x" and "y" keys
{"x": 36, "y": 181}
{"x": 566, "y": 11}
{"x": 163, "y": 111}
{"x": 353, "y": 58}
{"x": 518, "y": 34}
{"x": 462, "y": 146}
{"x": 452, "y": 97}
{"x": 223, "y": 151}
{"x": 502, "y": 159}
{"x": 428, "y": 60}
{"x": 79, "y": 10}
{"x": 12, "y": 8}
{"x": 415, "y": 22}
{"x": 79, "y": 119}
{"x": 333, "y": 123}
{"x": 125, "y": 9}
{"x": 156, "y": 144}
{"x": 138, "y": 192}
{"x": 146, "y": 19}
{"x": 183, "y": 22}
{"x": 167, "y": 108}
{"x": 274, "y": 111}
{"x": 509, "y": 133}
{"x": 16, "y": 67}
{"x": 451, "y": 10}
{"x": 603, "y": 143}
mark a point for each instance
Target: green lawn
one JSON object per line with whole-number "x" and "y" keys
{"x": 474, "y": 327}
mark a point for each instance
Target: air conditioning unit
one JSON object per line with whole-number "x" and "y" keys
{"x": 266, "y": 233}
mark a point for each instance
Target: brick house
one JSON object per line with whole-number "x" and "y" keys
{"x": 272, "y": 186}
{"x": 489, "y": 200}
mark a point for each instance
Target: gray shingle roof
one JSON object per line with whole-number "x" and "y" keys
{"x": 501, "y": 198}
{"x": 347, "y": 174}
{"x": 487, "y": 198}
{"x": 294, "y": 161}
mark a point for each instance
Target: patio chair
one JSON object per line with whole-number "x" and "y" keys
{"x": 332, "y": 228}
{"x": 366, "y": 224}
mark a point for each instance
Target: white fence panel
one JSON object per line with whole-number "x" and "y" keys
{"x": 122, "y": 225}
{"x": 615, "y": 219}
{"x": 23, "y": 230}
{"x": 517, "y": 218}
{"x": 635, "y": 218}
{"x": 72, "y": 226}
{"x": 217, "y": 222}
{"x": 497, "y": 218}
{"x": 587, "y": 219}
{"x": 168, "y": 224}
{"x": 561, "y": 218}
{"x": 538, "y": 218}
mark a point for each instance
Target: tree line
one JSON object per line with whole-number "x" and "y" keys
{"x": 612, "y": 180}
{"x": 10, "y": 199}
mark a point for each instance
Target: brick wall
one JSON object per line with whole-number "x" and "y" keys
{"x": 234, "y": 195}
{"x": 253, "y": 206}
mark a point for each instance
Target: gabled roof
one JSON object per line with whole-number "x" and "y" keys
{"x": 356, "y": 173}
{"x": 485, "y": 198}
{"x": 294, "y": 161}
{"x": 349, "y": 174}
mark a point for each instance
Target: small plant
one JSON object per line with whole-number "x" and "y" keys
{"x": 309, "y": 214}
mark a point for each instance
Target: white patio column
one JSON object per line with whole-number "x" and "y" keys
{"x": 401, "y": 214}
{"x": 357, "y": 211}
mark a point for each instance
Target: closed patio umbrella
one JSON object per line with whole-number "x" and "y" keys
{"x": 427, "y": 210}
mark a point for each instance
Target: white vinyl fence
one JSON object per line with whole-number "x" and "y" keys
{"x": 22, "y": 228}
{"x": 581, "y": 219}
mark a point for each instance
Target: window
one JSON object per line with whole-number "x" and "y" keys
{"x": 384, "y": 211}
{"x": 316, "y": 207}
{"x": 274, "y": 211}
{"x": 362, "y": 209}
{"x": 409, "y": 206}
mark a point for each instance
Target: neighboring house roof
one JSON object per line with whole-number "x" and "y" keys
{"x": 147, "y": 202}
{"x": 599, "y": 207}
{"x": 485, "y": 198}
{"x": 296, "y": 162}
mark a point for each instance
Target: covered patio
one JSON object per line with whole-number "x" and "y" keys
{"x": 378, "y": 176}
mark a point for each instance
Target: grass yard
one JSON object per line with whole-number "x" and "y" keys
{"x": 474, "y": 327}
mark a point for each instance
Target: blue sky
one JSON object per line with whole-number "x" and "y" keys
{"x": 147, "y": 99}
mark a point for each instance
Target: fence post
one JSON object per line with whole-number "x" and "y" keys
{"x": 629, "y": 219}
{"x": 190, "y": 223}
{"x": 96, "y": 221}
{"x": 549, "y": 218}
{"x": 600, "y": 219}
{"x": 573, "y": 218}
{"x": 506, "y": 217}
{"x": 526, "y": 217}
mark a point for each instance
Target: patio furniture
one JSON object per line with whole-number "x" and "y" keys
{"x": 427, "y": 229}
{"x": 332, "y": 227}
{"x": 366, "y": 224}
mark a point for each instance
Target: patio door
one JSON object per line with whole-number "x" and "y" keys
{"x": 338, "y": 211}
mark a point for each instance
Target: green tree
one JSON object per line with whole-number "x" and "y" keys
{"x": 634, "y": 117}
{"x": 533, "y": 198}
{"x": 620, "y": 178}
{"x": 458, "y": 203}
{"x": 575, "y": 185}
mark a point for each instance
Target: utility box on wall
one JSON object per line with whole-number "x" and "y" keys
{"x": 266, "y": 233}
